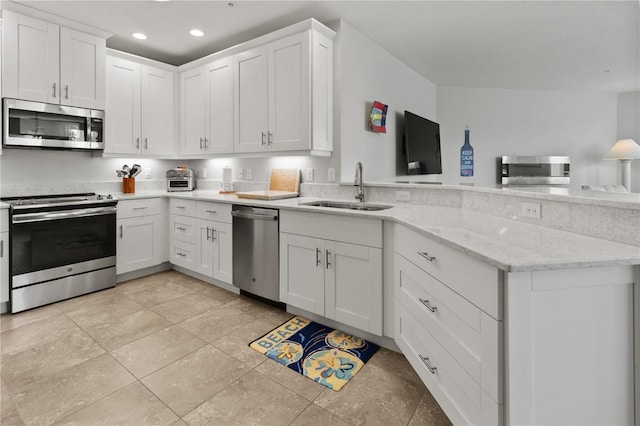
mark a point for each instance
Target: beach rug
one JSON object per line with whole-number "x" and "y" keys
{"x": 327, "y": 356}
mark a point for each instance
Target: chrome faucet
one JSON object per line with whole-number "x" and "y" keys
{"x": 358, "y": 183}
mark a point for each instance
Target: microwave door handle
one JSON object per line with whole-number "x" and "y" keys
{"x": 66, "y": 214}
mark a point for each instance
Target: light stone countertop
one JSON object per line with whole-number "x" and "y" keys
{"x": 510, "y": 245}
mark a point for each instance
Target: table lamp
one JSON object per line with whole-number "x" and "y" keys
{"x": 625, "y": 150}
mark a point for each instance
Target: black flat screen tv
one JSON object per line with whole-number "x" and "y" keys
{"x": 421, "y": 145}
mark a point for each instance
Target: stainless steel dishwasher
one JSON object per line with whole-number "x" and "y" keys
{"x": 256, "y": 251}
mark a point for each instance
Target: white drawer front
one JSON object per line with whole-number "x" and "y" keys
{"x": 476, "y": 281}
{"x": 183, "y": 254}
{"x": 182, "y": 207}
{"x": 468, "y": 334}
{"x": 220, "y": 212}
{"x": 462, "y": 398}
{"x": 182, "y": 228}
{"x": 140, "y": 207}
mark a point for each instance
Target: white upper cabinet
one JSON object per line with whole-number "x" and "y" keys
{"x": 207, "y": 109}
{"x": 48, "y": 63}
{"x": 140, "y": 111}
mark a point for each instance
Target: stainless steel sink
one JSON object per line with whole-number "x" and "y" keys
{"x": 347, "y": 205}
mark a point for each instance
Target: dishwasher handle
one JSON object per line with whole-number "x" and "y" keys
{"x": 252, "y": 215}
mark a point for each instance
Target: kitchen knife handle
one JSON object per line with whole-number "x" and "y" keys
{"x": 66, "y": 91}
{"x": 327, "y": 253}
{"x": 121, "y": 232}
{"x": 146, "y": 144}
{"x": 54, "y": 90}
{"x": 137, "y": 143}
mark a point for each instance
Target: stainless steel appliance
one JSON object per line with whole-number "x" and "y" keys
{"x": 256, "y": 251}
{"x": 62, "y": 246}
{"x": 535, "y": 170}
{"x": 41, "y": 125}
{"x": 181, "y": 180}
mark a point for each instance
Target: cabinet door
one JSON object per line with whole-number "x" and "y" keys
{"x": 194, "y": 109}
{"x": 123, "y": 107}
{"x": 31, "y": 63}
{"x": 251, "y": 100}
{"x": 157, "y": 89}
{"x": 353, "y": 285}
{"x": 220, "y": 107}
{"x": 302, "y": 272}
{"x": 138, "y": 244}
{"x": 289, "y": 93}
{"x": 4, "y": 267}
{"x": 82, "y": 69}
{"x": 206, "y": 245}
{"x": 222, "y": 252}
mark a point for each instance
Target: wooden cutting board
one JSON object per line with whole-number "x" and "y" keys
{"x": 283, "y": 183}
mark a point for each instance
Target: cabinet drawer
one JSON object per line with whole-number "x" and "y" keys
{"x": 469, "y": 335}
{"x": 4, "y": 220}
{"x": 137, "y": 208}
{"x": 355, "y": 230}
{"x": 476, "y": 281}
{"x": 183, "y": 254}
{"x": 461, "y": 397}
{"x": 220, "y": 212}
{"x": 182, "y": 228}
{"x": 183, "y": 207}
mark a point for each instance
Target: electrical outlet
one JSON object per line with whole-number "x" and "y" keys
{"x": 148, "y": 172}
{"x": 531, "y": 210}
{"x": 309, "y": 175}
{"x": 403, "y": 196}
{"x": 247, "y": 174}
{"x": 203, "y": 173}
{"x": 240, "y": 174}
{"x": 331, "y": 175}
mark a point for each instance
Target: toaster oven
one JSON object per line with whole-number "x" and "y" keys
{"x": 179, "y": 179}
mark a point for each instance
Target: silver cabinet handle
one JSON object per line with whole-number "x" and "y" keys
{"x": 200, "y": 143}
{"x": 139, "y": 208}
{"x": 121, "y": 232}
{"x": 137, "y": 143}
{"x": 180, "y": 207}
{"x": 180, "y": 228}
{"x": 54, "y": 90}
{"x": 425, "y": 360}
{"x": 66, "y": 91}
{"x": 269, "y": 138}
{"x": 263, "y": 135}
{"x": 214, "y": 234}
{"x": 426, "y": 303}
{"x": 205, "y": 143}
{"x": 426, "y": 256}
{"x": 181, "y": 254}
{"x": 2, "y": 248}
{"x": 211, "y": 211}
{"x": 327, "y": 253}
{"x": 208, "y": 233}
{"x": 146, "y": 144}
{"x": 317, "y": 256}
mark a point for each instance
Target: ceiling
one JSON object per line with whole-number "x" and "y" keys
{"x": 539, "y": 45}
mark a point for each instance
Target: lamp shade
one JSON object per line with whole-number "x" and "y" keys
{"x": 625, "y": 149}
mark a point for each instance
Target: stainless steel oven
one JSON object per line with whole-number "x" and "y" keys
{"x": 534, "y": 170}
{"x": 61, "y": 247}
{"x": 41, "y": 125}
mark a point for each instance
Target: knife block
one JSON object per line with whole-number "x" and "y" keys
{"x": 128, "y": 185}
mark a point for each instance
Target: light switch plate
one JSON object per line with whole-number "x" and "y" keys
{"x": 148, "y": 172}
{"x": 309, "y": 177}
{"x": 203, "y": 173}
{"x": 240, "y": 174}
{"x": 247, "y": 174}
{"x": 331, "y": 175}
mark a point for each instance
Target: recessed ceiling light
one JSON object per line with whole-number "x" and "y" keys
{"x": 139, "y": 36}
{"x": 196, "y": 32}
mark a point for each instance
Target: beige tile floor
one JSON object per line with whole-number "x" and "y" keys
{"x": 168, "y": 349}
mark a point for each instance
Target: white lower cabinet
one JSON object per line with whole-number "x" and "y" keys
{"x": 338, "y": 276}
{"x": 201, "y": 238}
{"x": 141, "y": 234}
{"x": 4, "y": 255}
{"x": 453, "y": 344}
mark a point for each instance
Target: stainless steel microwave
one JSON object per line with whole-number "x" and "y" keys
{"x": 42, "y": 125}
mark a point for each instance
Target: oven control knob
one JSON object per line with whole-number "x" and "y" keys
{"x": 109, "y": 197}
{"x": 100, "y": 197}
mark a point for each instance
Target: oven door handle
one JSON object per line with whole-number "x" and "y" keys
{"x": 63, "y": 214}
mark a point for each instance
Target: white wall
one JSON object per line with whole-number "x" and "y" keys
{"x": 629, "y": 128}
{"x": 582, "y": 125}
{"x": 369, "y": 73}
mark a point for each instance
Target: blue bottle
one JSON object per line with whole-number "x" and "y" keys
{"x": 466, "y": 156}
